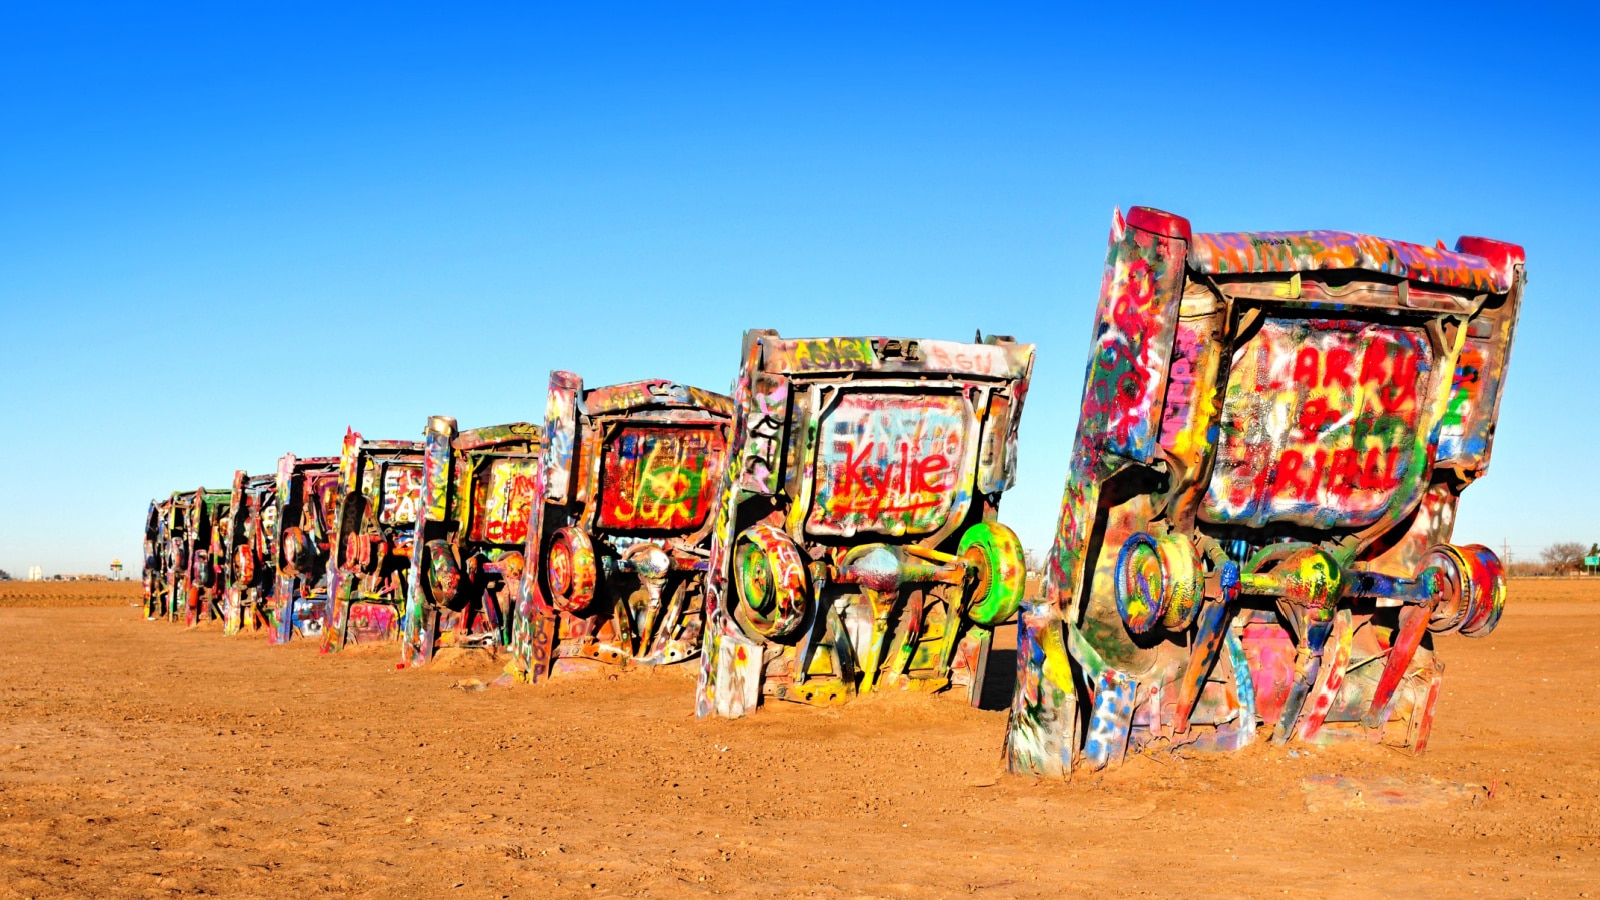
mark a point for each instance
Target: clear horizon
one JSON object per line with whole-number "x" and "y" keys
{"x": 227, "y": 234}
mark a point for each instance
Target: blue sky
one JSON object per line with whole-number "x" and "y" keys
{"x": 228, "y": 231}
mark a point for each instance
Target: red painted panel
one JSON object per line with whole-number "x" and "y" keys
{"x": 660, "y": 478}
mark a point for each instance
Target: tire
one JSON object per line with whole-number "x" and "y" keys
{"x": 296, "y": 551}
{"x": 244, "y": 566}
{"x": 1158, "y": 581}
{"x": 444, "y": 573}
{"x": 995, "y": 552}
{"x": 570, "y": 570}
{"x": 770, "y": 579}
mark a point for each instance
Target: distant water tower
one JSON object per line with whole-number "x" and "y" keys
{"x": 116, "y": 569}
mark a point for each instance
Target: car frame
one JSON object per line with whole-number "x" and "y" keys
{"x": 249, "y": 552}
{"x": 177, "y": 553}
{"x": 622, "y": 519}
{"x": 200, "y": 583}
{"x": 1275, "y": 433}
{"x": 857, "y": 545}
{"x": 466, "y": 564}
{"x": 380, "y": 494}
{"x": 158, "y": 559}
{"x": 304, "y": 491}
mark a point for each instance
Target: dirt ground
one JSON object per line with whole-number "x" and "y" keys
{"x": 68, "y": 593}
{"x": 143, "y": 759}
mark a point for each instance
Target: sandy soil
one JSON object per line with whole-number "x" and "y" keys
{"x": 142, "y": 759}
{"x": 1541, "y": 590}
{"x": 48, "y": 594}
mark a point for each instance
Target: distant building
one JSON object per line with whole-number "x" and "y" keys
{"x": 36, "y": 573}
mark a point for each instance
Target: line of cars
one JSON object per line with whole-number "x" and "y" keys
{"x": 1276, "y": 428}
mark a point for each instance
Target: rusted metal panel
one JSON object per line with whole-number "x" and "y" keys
{"x": 503, "y": 501}
{"x": 855, "y": 542}
{"x": 1127, "y": 375}
{"x": 621, "y": 519}
{"x": 798, "y": 356}
{"x": 762, "y": 464}
{"x": 1328, "y": 397}
{"x": 1466, "y": 433}
{"x": 400, "y": 493}
{"x": 560, "y": 430}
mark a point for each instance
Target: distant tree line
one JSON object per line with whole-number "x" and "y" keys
{"x": 1560, "y": 558}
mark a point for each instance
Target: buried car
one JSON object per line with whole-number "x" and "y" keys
{"x": 856, "y": 544}
{"x": 1275, "y": 433}
{"x": 379, "y": 488}
{"x": 304, "y": 496}
{"x": 202, "y": 546}
{"x": 248, "y": 552}
{"x": 621, "y": 525}
{"x": 157, "y": 559}
{"x": 472, "y": 522}
{"x": 176, "y": 553}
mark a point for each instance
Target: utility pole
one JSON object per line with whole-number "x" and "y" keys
{"x": 1505, "y": 553}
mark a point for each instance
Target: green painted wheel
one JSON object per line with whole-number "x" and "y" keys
{"x": 770, "y": 578}
{"x": 994, "y": 551}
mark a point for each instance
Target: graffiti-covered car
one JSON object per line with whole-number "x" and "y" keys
{"x": 1275, "y": 432}
{"x": 202, "y": 580}
{"x": 176, "y": 552}
{"x": 305, "y": 494}
{"x": 249, "y": 552}
{"x": 157, "y": 559}
{"x": 857, "y": 545}
{"x": 162, "y": 572}
{"x": 379, "y": 489}
{"x": 472, "y": 523}
{"x": 618, "y": 544}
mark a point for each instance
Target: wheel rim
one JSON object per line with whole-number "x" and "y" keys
{"x": 246, "y": 562}
{"x": 1488, "y": 589}
{"x": 1455, "y": 591}
{"x": 1182, "y": 583}
{"x": 754, "y": 579}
